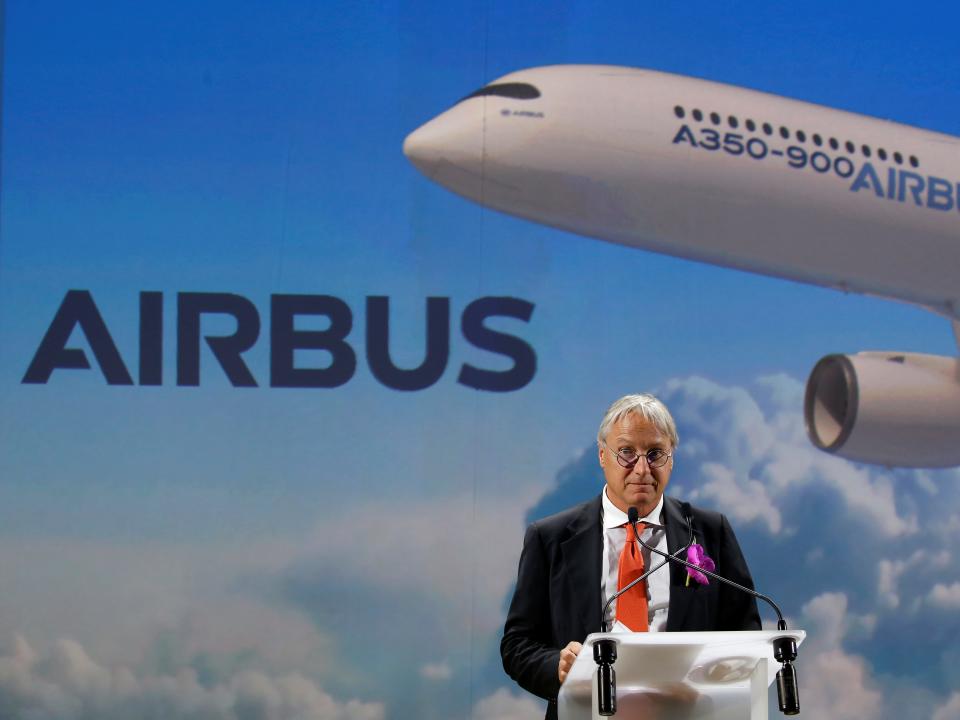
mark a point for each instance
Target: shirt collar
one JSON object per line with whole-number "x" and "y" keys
{"x": 615, "y": 517}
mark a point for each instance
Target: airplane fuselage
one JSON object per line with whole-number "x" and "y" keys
{"x": 711, "y": 172}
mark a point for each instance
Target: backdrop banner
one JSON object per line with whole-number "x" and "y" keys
{"x": 275, "y": 408}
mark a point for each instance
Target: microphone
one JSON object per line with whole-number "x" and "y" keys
{"x": 784, "y": 648}
{"x": 605, "y": 651}
{"x": 644, "y": 576}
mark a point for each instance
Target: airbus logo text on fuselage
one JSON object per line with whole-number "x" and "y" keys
{"x": 895, "y": 184}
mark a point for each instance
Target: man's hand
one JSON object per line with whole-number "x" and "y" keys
{"x": 567, "y": 656}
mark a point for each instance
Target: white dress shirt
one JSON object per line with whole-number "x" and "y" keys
{"x": 658, "y": 584}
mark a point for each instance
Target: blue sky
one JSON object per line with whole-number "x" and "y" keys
{"x": 257, "y": 150}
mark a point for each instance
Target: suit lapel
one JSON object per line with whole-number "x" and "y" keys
{"x": 582, "y": 558}
{"x": 678, "y": 535}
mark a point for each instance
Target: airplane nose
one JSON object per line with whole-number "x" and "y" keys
{"x": 449, "y": 148}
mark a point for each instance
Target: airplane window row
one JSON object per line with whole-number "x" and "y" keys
{"x": 800, "y": 135}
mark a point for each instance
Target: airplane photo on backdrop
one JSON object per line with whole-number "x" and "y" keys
{"x": 747, "y": 180}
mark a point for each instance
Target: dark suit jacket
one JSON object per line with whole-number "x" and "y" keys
{"x": 557, "y": 598}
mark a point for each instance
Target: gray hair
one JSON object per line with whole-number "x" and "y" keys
{"x": 646, "y": 406}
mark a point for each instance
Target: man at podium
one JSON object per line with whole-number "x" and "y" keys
{"x": 574, "y": 562}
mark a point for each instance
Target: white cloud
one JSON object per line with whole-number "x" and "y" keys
{"x": 67, "y": 684}
{"x": 952, "y": 525}
{"x": 447, "y": 548}
{"x": 504, "y": 705}
{"x": 766, "y": 456}
{"x": 867, "y": 493}
{"x": 945, "y": 596}
{"x": 117, "y": 599}
{"x": 950, "y": 710}
{"x": 836, "y": 685}
{"x": 888, "y": 579}
{"x": 888, "y": 572}
{"x": 725, "y": 418}
{"x": 926, "y": 483}
{"x": 794, "y": 463}
{"x": 220, "y": 607}
{"x": 750, "y": 458}
{"x": 829, "y": 620}
{"x": 436, "y": 671}
{"x": 744, "y": 501}
{"x": 827, "y": 612}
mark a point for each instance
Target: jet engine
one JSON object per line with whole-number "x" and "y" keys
{"x": 898, "y": 409}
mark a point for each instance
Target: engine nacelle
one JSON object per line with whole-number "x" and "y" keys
{"x": 899, "y": 409}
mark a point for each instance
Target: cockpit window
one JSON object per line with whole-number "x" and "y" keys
{"x": 516, "y": 91}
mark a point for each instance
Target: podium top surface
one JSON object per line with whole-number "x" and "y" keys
{"x": 701, "y": 658}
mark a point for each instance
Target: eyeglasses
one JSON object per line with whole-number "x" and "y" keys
{"x": 628, "y": 457}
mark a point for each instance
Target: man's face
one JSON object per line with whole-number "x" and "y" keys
{"x": 638, "y": 486}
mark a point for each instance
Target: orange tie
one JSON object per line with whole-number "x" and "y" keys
{"x": 632, "y": 605}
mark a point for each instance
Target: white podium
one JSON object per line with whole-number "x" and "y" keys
{"x": 715, "y": 675}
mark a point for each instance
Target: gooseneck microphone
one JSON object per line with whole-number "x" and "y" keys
{"x": 784, "y": 648}
{"x": 644, "y": 576}
{"x": 605, "y": 651}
